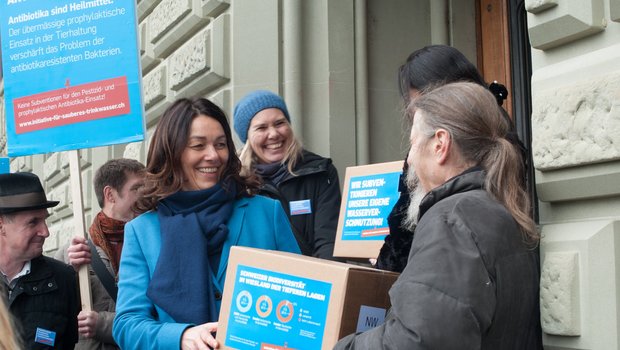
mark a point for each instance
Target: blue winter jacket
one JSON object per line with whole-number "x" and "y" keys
{"x": 257, "y": 222}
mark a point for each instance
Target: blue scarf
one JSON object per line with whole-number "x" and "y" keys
{"x": 193, "y": 231}
{"x": 272, "y": 173}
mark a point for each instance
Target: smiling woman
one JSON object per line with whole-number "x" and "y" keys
{"x": 305, "y": 183}
{"x": 206, "y": 154}
{"x": 195, "y": 206}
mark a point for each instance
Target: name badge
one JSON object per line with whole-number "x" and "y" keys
{"x": 44, "y": 336}
{"x": 300, "y": 207}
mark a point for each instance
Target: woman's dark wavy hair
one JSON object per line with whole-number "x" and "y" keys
{"x": 164, "y": 173}
{"x": 437, "y": 65}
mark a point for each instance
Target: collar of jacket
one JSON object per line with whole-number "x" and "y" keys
{"x": 40, "y": 280}
{"x": 309, "y": 163}
{"x": 469, "y": 180}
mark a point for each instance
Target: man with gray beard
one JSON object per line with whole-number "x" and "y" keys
{"x": 430, "y": 66}
{"x": 416, "y": 194}
{"x": 402, "y": 222}
{"x": 472, "y": 276}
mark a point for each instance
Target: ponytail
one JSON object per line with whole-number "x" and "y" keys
{"x": 504, "y": 168}
{"x": 480, "y": 130}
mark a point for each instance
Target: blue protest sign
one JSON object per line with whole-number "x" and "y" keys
{"x": 71, "y": 75}
{"x": 281, "y": 310}
{"x": 5, "y": 165}
{"x": 370, "y": 199}
{"x": 369, "y": 194}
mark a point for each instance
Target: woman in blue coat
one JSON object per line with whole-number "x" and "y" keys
{"x": 195, "y": 207}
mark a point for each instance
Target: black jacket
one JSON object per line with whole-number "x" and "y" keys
{"x": 47, "y": 299}
{"x": 395, "y": 250}
{"x": 470, "y": 283}
{"x": 315, "y": 179}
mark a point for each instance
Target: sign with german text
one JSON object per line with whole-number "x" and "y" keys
{"x": 273, "y": 310}
{"x": 369, "y": 194}
{"x": 71, "y": 73}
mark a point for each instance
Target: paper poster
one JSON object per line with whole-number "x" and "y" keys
{"x": 369, "y": 194}
{"x": 368, "y": 204}
{"x": 275, "y": 311}
{"x": 71, "y": 74}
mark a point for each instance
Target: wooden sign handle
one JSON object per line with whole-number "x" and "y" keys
{"x": 80, "y": 227}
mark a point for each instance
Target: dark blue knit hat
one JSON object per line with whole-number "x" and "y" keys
{"x": 253, "y": 103}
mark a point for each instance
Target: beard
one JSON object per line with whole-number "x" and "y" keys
{"x": 416, "y": 194}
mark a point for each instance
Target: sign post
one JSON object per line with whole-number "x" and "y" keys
{"x": 72, "y": 80}
{"x": 80, "y": 225}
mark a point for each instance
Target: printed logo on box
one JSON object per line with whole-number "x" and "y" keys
{"x": 275, "y": 311}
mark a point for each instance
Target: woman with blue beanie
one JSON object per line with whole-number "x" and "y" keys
{"x": 305, "y": 183}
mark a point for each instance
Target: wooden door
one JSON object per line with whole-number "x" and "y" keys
{"x": 494, "y": 44}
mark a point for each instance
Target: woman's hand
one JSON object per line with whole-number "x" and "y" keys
{"x": 200, "y": 337}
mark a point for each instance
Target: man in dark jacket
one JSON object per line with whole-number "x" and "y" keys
{"x": 472, "y": 278}
{"x": 41, "y": 292}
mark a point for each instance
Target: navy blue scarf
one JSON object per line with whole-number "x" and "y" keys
{"x": 193, "y": 231}
{"x": 272, "y": 173}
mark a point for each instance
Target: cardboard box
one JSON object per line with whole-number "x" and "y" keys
{"x": 275, "y": 300}
{"x": 368, "y": 196}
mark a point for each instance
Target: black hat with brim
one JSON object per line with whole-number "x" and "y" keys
{"x": 22, "y": 191}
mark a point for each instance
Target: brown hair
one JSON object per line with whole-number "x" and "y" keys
{"x": 164, "y": 173}
{"x": 114, "y": 173}
{"x": 472, "y": 117}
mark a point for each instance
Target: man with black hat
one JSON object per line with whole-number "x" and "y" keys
{"x": 41, "y": 291}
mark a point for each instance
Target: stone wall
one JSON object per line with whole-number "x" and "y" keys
{"x": 576, "y": 153}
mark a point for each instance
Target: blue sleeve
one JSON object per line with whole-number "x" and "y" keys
{"x": 285, "y": 240}
{"x": 136, "y": 325}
